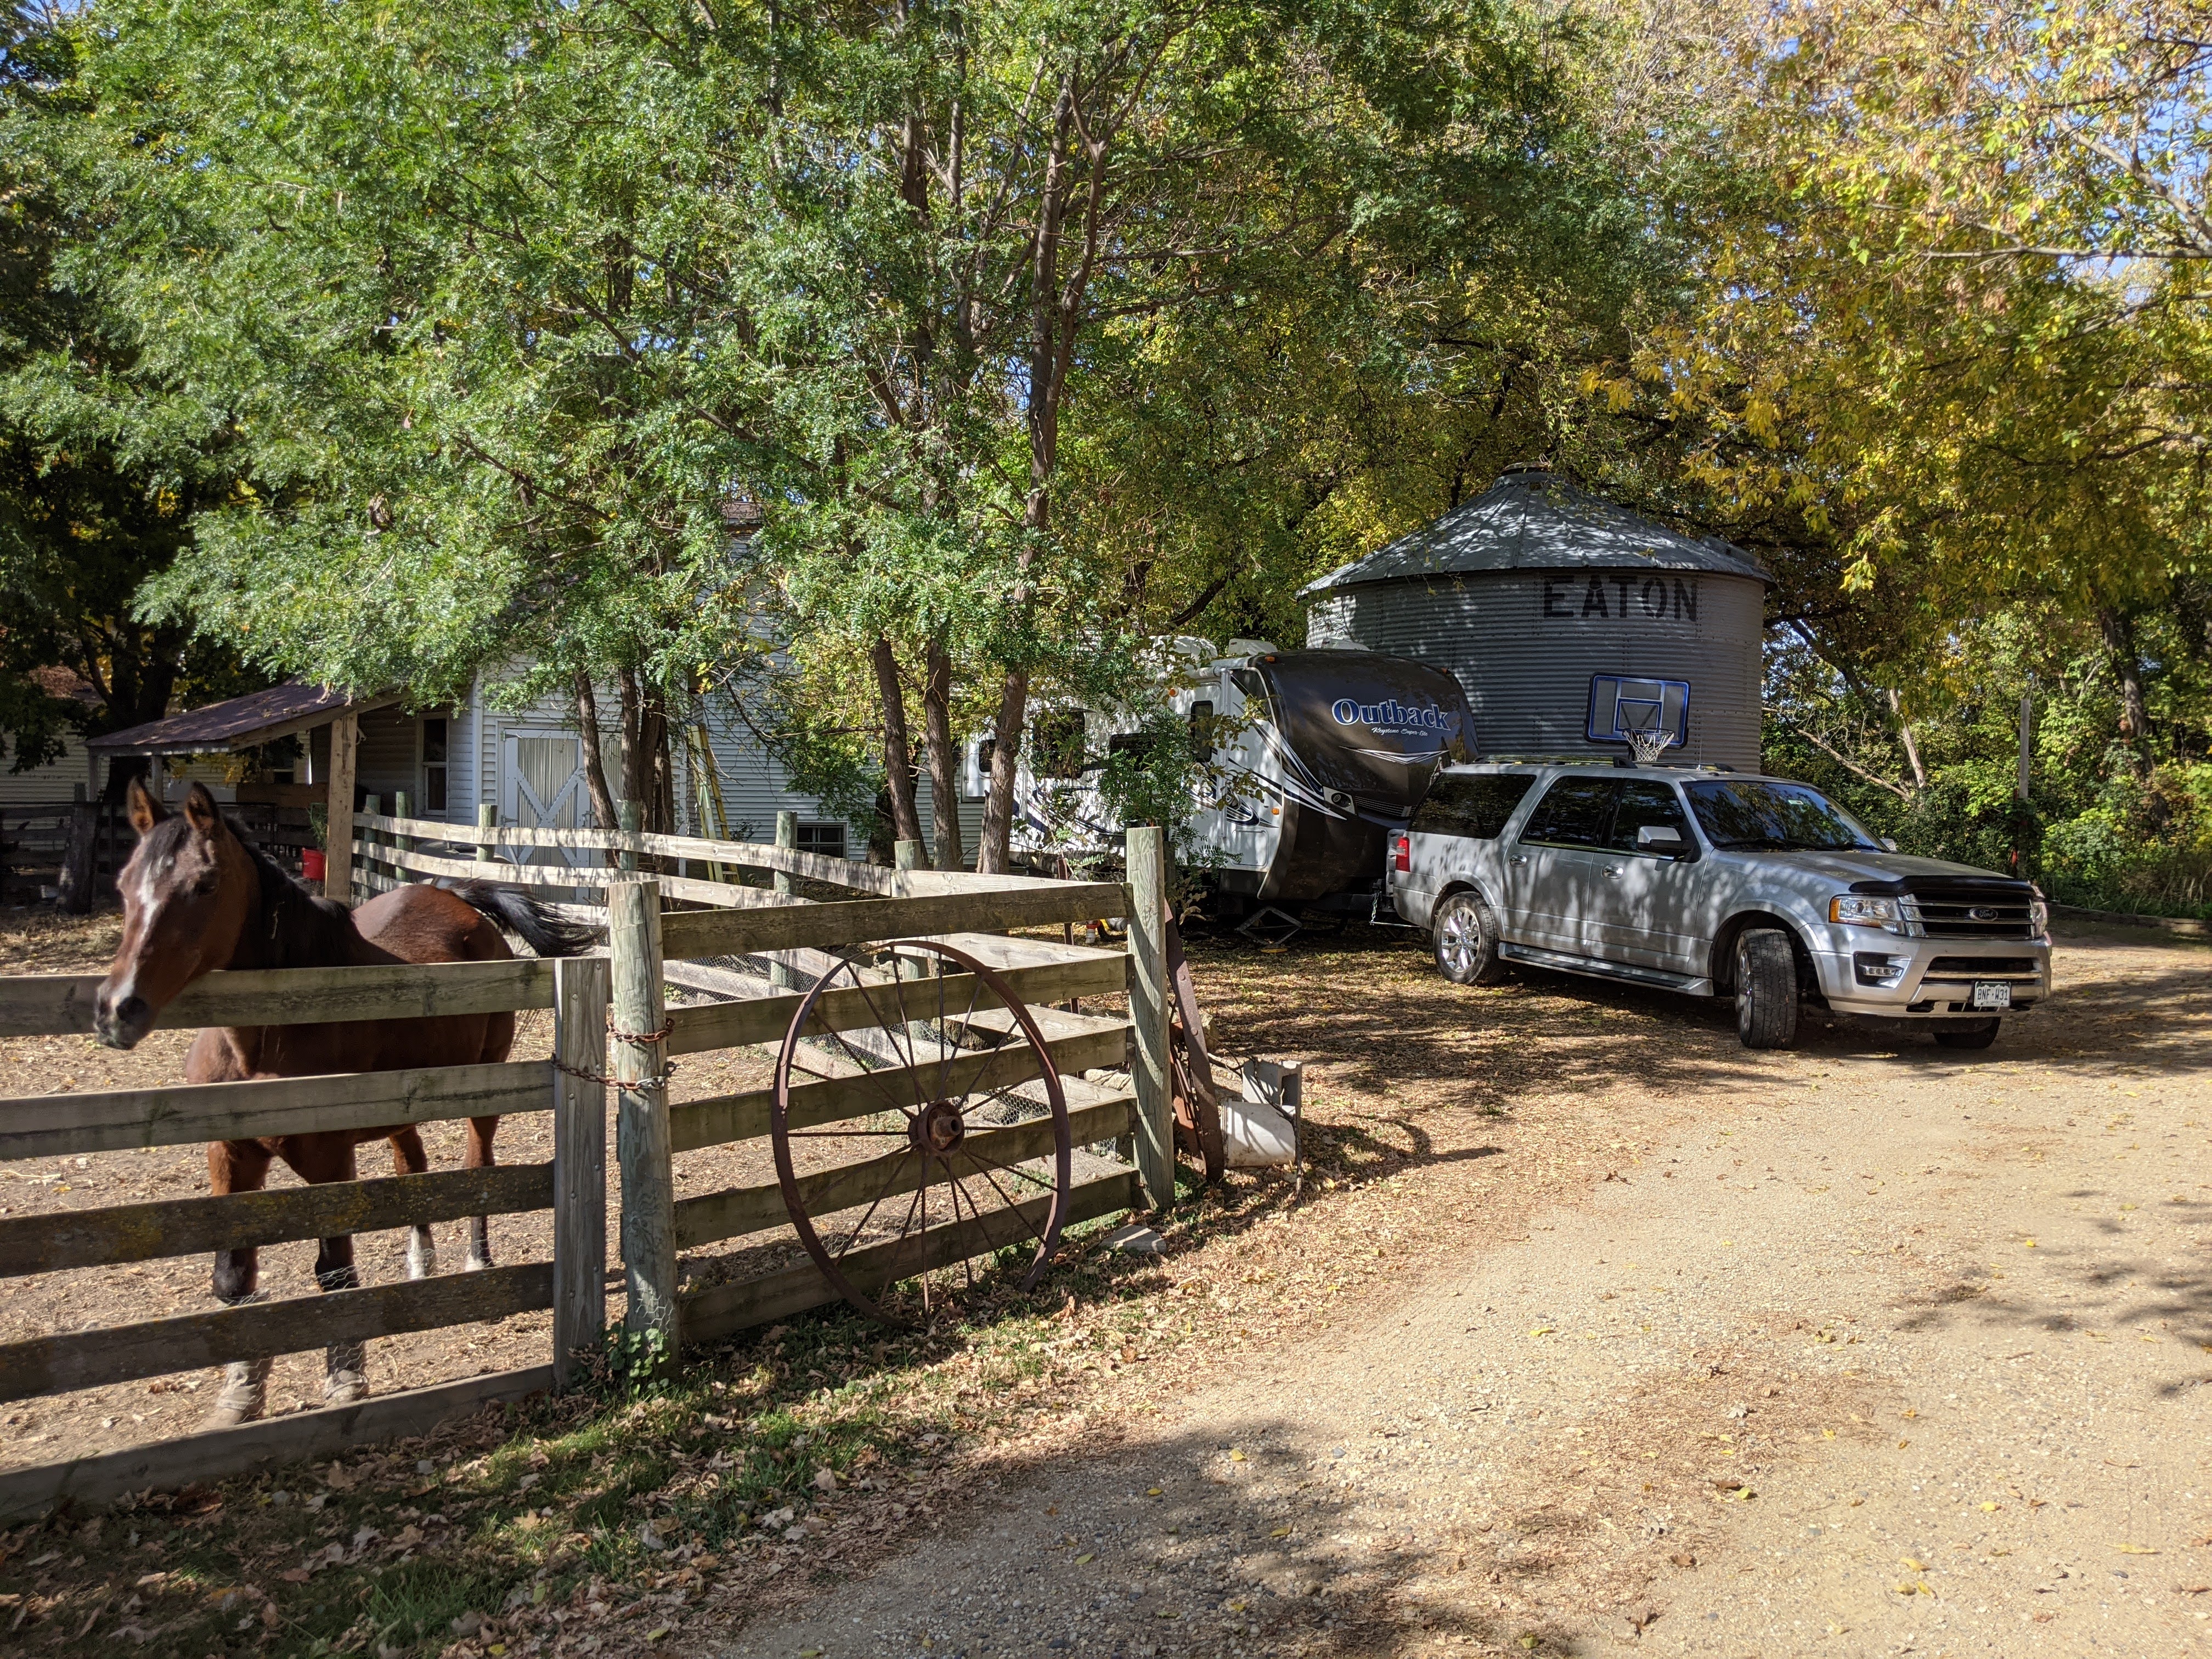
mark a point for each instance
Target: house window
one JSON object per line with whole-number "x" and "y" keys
{"x": 434, "y": 767}
{"x": 826, "y": 839}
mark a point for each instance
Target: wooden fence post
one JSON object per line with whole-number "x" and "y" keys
{"x": 338, "y": 831}
{"x": 1148, "y": 1012}
{"x": 581, "y": 989}
{"x": 648, "y": 1184}
{"x": 403, "y": 806}
{"x": 80, "y": 863}
{"x": 787, "y": 839}
{"x": 487, "y": 831}
{"x": 370, "y": 806}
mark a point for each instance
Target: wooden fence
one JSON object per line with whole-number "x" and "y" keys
{"x": 795, "y": 939}
{"x": 573, "y": 1186}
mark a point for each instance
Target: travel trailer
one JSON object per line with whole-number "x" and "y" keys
{"x": 1310, "y": 761}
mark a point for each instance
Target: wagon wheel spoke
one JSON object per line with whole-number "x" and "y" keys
{"x": 955, "y": 1192}
{"x": 860, "y": 1226}
{"x": 1012, "y": 1208}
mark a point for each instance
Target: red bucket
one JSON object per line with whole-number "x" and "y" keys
{"x": 311, "y": 865}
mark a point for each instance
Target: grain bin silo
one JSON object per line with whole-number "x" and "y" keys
{"x": 1569, "y": 620}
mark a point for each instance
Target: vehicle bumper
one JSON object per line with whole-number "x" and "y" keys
{"x": 1928, "y": 979}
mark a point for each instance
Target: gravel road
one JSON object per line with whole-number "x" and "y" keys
{"x": 1863, "y": 1349}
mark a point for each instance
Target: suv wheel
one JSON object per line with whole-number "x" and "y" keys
{"x": 1969, "y": 1036}
{"x": 1467, "y": 942}
{"x": 1766, "y": 988}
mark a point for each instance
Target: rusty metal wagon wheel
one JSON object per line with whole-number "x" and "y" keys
{"x": 919, "y": 1122}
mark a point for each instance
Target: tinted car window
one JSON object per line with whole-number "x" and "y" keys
{"x": 1574, "y": 812}
{"x": 1783, "y": 816}
{"x": 1642, "y": 803}
{"x": 1475, "y": 806}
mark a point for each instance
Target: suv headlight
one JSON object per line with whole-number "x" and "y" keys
{"x": 2038, "y": 914}
{"x": 1866, "y": 910}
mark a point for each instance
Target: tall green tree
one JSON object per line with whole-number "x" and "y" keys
{"x": 82, "y": 527}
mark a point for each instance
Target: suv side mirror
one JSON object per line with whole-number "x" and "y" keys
{"x": 1888, "y": 844}
{"x": 1659, "y": 838}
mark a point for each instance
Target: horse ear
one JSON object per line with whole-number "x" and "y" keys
{"x": 146, "y": 809}
{"x": 201, "y": 811}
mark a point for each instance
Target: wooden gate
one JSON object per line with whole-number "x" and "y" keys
{"x": 573, "y": 1185}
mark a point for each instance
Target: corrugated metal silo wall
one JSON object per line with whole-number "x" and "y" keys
{"x": 1525, "y": 644}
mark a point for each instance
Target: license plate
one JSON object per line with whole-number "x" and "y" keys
{"x": 1992, "y": 994}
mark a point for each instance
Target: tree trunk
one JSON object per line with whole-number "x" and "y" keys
{"x": 898, "y": 752}
{"x": 595, "y": 768}
{"x": 993, "y": 853}
{"x": 944, "y": 759}
{"x": 2119, "y": 633}
{"x": 1904, "y": 737}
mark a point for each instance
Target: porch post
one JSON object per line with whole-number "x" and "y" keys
{"x": 337, "y": 856}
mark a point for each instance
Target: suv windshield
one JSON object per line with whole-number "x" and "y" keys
{"x": 1783, "y": 816}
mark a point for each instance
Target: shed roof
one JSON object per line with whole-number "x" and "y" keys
{"x": 235, "y": 723}
{"x": 1532, "y": 520}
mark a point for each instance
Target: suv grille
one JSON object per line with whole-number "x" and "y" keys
{"x": 1969, "y": 915}
{"x": 1980, "y": 967}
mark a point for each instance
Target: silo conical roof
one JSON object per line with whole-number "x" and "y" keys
{"x": 1532, "y": 519}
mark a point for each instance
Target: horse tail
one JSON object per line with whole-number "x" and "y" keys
{"x": 534, "y": 923}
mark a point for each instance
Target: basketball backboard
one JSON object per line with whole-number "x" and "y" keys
{"x": 1623, "y": 705}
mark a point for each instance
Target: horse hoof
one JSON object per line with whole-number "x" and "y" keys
{"x": 345, "y": 1388}
{"x": 221, "y": 1415}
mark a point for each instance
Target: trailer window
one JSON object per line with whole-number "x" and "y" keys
{"x": 1478, "y": 808}
{"x": 1201, "y": 731}
{"x": 1056, "y": 744}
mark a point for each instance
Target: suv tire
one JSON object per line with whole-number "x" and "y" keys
{"x": 1465, "y": 941}
{"x": 1766, "y": 988}
{"x": 1969, "y": 1036}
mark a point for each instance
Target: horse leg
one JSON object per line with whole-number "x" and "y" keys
{"x": 478, "y": 1157}
{"x": 319, "y": 1159}
{"x": 239, "y": 1166}
{"x": 408, "y": 1158}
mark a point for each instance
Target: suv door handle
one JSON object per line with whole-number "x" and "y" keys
{"x": 1518, "y": 858}
{"x": 1613, "y": 870}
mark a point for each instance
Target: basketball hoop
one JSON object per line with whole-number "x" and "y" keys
{"x": 1647, "y": 743}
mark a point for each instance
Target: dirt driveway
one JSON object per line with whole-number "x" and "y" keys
{"x": 1851, "y": 1350}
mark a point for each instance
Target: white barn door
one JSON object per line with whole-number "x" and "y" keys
{"x": 541, "y": 786}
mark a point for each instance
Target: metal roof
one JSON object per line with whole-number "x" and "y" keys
{"x": 1532, "y": 520}
{"x": 245, "y": 722}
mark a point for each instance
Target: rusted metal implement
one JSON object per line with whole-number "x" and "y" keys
{"x": 963, "y": 1106}
{"x": 1197, "y": 1106}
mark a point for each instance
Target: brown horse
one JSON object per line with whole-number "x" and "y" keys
{"x": 198, "y": 896}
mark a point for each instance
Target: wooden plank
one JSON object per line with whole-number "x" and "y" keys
{"x": 745, "y": 933}
{"x": 45, "y": 1126}
{"x": 157, "y": 1347}
{"x": 997, "y": 951}
{"x": 337, "y": 859}
{"x": 765, "y": 1019}
{"x": 522, "y": 875}
{"x": 1148, "y": 1012}
{"x": 582, "y": 988}
{"x": 738, "y": 1212}
{"x": 219, "y": 1454}
{"x": 745, "y": 1116}
{"x": 187, "y": 1226}
{"x": 649, "y": 1183}
{"x": 722, "y": 1310}
{"x": 60, "y": 1005}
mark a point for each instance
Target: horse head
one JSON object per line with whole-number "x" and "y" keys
{"x": 187, "y": 891}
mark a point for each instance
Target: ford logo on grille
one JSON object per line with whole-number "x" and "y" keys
{"x": 1984, "y": 913}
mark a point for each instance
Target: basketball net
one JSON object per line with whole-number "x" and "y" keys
{"x": 1647, "y": 743}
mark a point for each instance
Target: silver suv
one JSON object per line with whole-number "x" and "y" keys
{"x": 1715, "y": 883}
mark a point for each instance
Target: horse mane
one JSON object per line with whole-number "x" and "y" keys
{"x": 300, "y": 928}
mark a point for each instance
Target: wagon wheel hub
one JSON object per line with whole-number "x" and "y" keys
{"x": 937, "y": 1128}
